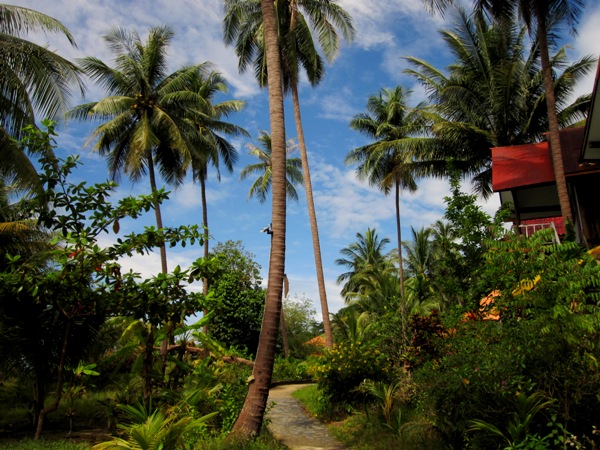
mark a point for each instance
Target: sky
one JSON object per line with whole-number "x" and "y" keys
{"x": 386, "y": 31}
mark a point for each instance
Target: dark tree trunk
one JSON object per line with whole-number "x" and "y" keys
{"x": 59, "y": 382}
{"x": 147, "y": 365}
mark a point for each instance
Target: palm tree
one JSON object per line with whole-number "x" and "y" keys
{"x": 262, "y": 185}
{"x": 33, "y": 80}
{"x": 210, "y": 147}
{"x": 493, "y": 95}
{"x": 145, "y": 125}
{"x": 364, "y": 259}
{"x": 251, "y": 416}
{"x": 296, "y": 21}
{"x": 388, "y": 162}
{"x": 539, "y": 16}
{"x": 420, "y": 260}
{"x": 20, "y": 233}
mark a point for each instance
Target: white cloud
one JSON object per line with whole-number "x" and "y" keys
{"x": 587, "y": 42}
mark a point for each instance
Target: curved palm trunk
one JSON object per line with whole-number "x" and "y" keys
{"x": 249, "y": 422}
{"x": 159, "y": 222}
{"x": 401, "y": 265}
{"x": 555, "y": 148}
{"x": 312, "y": 218}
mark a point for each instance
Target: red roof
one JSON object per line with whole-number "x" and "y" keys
{"x": 521, "y": 165}
{"x": 531, "y": 164}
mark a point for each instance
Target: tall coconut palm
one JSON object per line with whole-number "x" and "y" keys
{"x": 539, "y": 16}
{"x": 388, "y": 162}
{"x": 210, "y": 148}
{"x": 251, "y": 416}
{"x": 262, "y": 185}
{"x": 297, "y": 19}
{"x": 34, "y": 80}
{"x": 144, "y": 121}
{"x": 493, "y": 94}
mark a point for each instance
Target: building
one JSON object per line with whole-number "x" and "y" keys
{"x": 523, "y": 175}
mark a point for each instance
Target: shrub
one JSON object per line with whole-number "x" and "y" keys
{"x": 290, "y": 369}
{"x": 341, "y": 370}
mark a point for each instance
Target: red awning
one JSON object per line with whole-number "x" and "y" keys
{"x": 521, "y": 165}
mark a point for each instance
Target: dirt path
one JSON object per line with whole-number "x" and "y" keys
{"x": 290, "y": 425}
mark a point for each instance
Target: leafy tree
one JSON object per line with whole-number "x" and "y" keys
{"x": 493, "y": 94}
{"x": 301, "y": 325}
{"x": 145, "y": 116}
{"x": 463, "y": 255}
{"x": 84, "y": 281}
{"x": 261, "y": 186}
{"x": 543, "y": 346}
{"x": 237, "y": 298}
{"x": 33, "y": 80}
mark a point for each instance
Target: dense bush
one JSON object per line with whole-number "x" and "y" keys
{"x": 341, "y": 370}
{"x": 291, "y": 369}
{"x": 545, "y": 343}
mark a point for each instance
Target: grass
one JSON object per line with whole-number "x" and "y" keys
{"x": 30, "y": 444}
{"x": 263, "y": 442}
{"x": 309, "y": 397}
{"x": 361, "y": 431}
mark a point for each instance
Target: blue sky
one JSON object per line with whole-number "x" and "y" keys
{"x": 387, "y": 30}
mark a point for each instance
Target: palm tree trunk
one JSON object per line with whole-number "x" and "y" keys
{"x": 163, "y": 263}
{"x": 147, "y": 364}
{"x": 250, "y": 420}
{"x": 553, "y": 135}
{"x": 401, "y": 266}
{"x": 159, "y": 223}
{"x": 205, "y": 225}
{"x": 312, "y": 218}
{"x": 284, "y": 335}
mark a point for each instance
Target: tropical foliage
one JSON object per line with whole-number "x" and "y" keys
{"x": 466, "y": 335}
{"x": 33, "y": 80}
{"x": 493, "y": 95}
{"x": 147, "y": 113}
{"x": 261, "y": 187}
